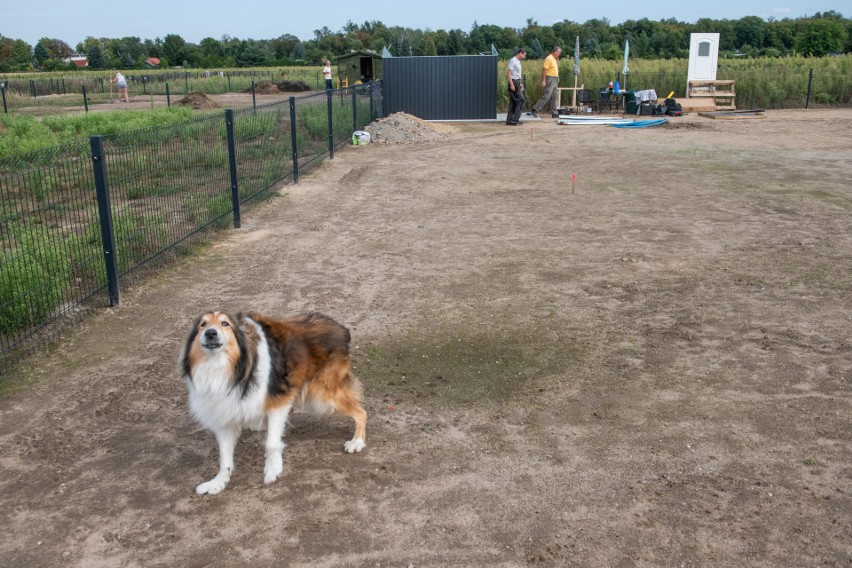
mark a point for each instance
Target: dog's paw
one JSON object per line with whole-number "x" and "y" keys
{"x": 212, "y": 487}
{"x": 354, "y": 445}
{"x": 273, "y": 468}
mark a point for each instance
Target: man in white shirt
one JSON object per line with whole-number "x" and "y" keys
{"x": 516, "y": 88}
{"x": 326, "y": 73}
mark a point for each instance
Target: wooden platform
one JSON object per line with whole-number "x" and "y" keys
{"x": 694, "y": 105}
{"x": 722, "y": 93}
{"x": 734, "y": 114}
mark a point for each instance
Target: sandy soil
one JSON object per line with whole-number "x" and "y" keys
{"x": 652, "y": 370}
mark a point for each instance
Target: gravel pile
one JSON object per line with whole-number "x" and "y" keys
{"x": 401, "y": 128}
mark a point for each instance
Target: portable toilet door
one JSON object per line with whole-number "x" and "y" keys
{"x": 703, "y": 58}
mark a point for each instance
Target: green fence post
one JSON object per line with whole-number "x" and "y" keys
{"x": 293, "y": 139}
{"x": 232, "y": 161}
{"x": 354, "y": 110}
{"x": 5, "y": 109}
{"x": 330, "y": 127}
{"x": 105, "y": 215}
{"x": 85, "y": 99}
{"x": 810, "y": 84}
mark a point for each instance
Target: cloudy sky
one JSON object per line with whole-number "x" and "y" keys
{"x": 193, "y": 19}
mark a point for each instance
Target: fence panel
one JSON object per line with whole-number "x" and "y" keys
{"x": 49, "y": 243}
{"x": 263, "y": 149}
{"x": 167, "y": 186}
{"x": 224, "y": 89}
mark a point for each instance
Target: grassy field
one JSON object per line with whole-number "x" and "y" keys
{"x": 765, "y": 83}
{"x": 24, "y": 133}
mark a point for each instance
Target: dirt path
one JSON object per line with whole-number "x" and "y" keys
{"x": 655, "y": 370}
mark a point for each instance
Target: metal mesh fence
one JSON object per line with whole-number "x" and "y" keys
{"x": 92, "y": 93}
{"x": 49, "y": 265}
{"x": 754, "y": 88}
{"x": 76, "y": 218}
{"x": 165, "y": 184}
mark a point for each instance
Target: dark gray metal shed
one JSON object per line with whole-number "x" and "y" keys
{"x": 457, "y": 87}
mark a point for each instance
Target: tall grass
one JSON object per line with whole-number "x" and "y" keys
{"x": 23, "y": 133}
{"x": 764, "y": 82}
{"x": 153, "y": 81}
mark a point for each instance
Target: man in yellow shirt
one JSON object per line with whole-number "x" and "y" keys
{"x": 550, "y": 84}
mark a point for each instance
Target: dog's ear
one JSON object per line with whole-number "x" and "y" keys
{"x": 247, "y": 340}
{"x": 183, "y": 361}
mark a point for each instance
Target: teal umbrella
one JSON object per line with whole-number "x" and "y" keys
{"x": 625, "y": 71}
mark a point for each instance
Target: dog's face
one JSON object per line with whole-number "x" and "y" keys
{"x": 213, "y": 334}
{"x": 215, "y": 330}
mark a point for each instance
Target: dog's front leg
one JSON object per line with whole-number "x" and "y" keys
{"x": 276, "y": 421}
{"x": 227, "y": 439}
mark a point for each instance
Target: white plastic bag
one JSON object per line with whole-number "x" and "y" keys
{"x": 360, "y": 137}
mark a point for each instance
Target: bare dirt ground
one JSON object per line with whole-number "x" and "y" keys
{"x": 653, "y": 370}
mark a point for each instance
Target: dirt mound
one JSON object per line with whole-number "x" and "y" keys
{"x": 401, "y": 128}
{"x": 292, "y": 86}
{"x": 197, "y": 101}
{"x": 264, "y": 88}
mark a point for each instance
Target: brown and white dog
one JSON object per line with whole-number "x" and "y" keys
{"x": 246, "y": 370}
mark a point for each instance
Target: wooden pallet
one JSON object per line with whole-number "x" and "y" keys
{"x": 723, "y": 93}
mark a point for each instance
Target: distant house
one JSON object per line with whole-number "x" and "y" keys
{"x": 78, "y": 60}
{"x": 152, "y": 62}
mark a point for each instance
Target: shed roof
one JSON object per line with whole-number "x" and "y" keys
{"x": 359, "y": 53}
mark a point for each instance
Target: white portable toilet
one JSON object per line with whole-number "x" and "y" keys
{"x": 703, "y": 58}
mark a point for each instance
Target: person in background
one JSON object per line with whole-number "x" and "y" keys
{"x": 326, "y": 73}
{"x": 516, "y": 88}
{"x": 550, "y": 84}
{"x": 121, "y": 83}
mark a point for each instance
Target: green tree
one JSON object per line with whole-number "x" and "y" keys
{"x": 299, "y": 51}
{"x": 251, "y": 54}
{"x": 456, "y": 43}
{"x": 820, "y": 36}
{"x": 536, "y": 50}
{"x": 429, "y": 47}
{"x": 174, "y": 48}
{"x": 95, "y": 57}
{"x": 41, "y": 54}
{"x": 750, "y": 30}
{"x": 283, "y": 46}
{"x": 780, "y": 36}
{"x": 15, "y": 54}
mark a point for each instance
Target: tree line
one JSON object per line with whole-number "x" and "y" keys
{"x": 818, "y": 35}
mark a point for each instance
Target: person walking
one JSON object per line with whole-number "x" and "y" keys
{"x": 550, "y": 84}
{"x": 121, "y": 83}
{"x": 326, "y": 73}
{"x": 516, "y": 88}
